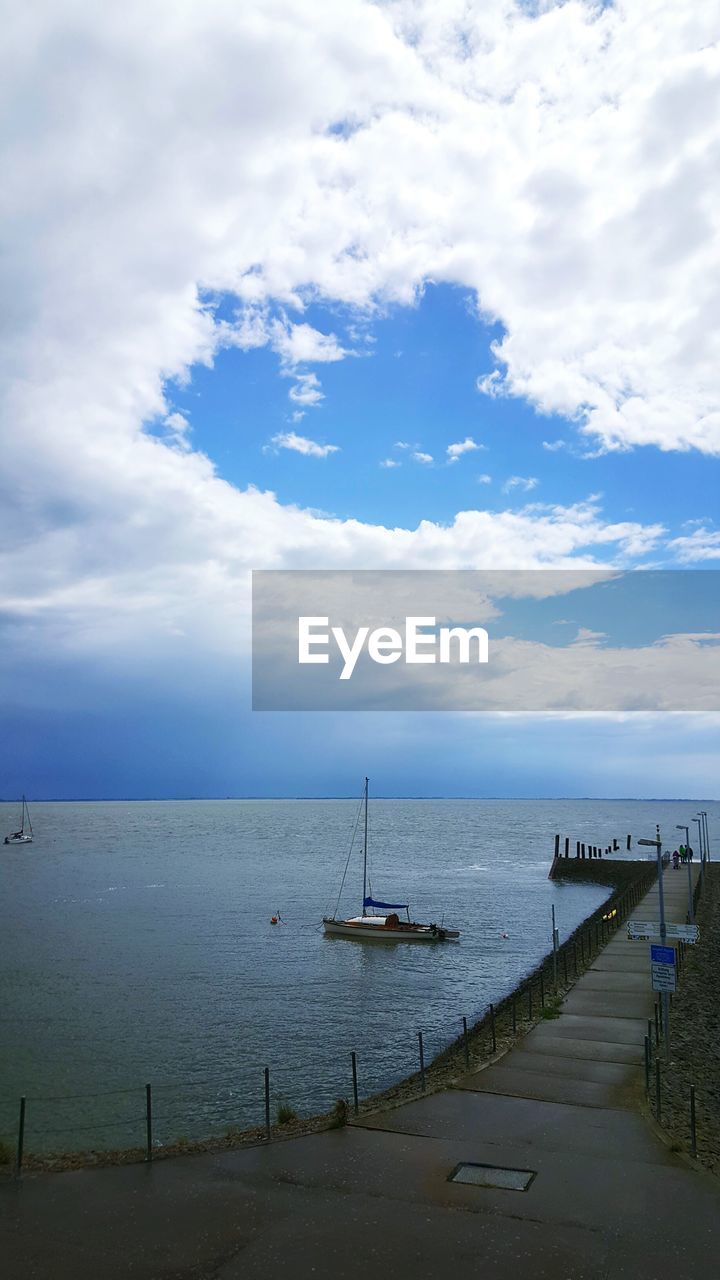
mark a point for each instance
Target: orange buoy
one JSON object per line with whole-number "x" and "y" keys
{"x": 273, "y": 919}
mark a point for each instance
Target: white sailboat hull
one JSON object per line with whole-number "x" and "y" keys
{"x": 18, "y": 840}
{"x": 365, "y": 931}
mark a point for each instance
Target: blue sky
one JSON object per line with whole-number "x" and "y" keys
{"x": 414, "y": 380}
{"x": 316, "y": 239}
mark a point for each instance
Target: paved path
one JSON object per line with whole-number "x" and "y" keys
{"x": 608, "y": 1199}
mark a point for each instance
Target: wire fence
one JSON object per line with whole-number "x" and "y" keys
{"x": 688, "y": 1111}
{"x": 151, "y": 1118}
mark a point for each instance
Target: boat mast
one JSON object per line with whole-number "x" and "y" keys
{"x": 365, "y": 851}
{"x": 26, "y": 811}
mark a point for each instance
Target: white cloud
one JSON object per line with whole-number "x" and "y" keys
{"x": 691, "y": 548}
{"x": 390, "y": 462}
{"x": 152, "y": 167}
{"x": 178, "y": 429}
{"x": 425, "y": 458}
{"x": 484, "y": 479}
{"x": 526, "y": 483}
{"x": 468, "y": 445}
{"x": 590, "y": 135}
{"x": 301, "y": 344}
{"x": 300, "y": 444}
{"x": 553, "y": 446}
{"x": 306, "y": 391}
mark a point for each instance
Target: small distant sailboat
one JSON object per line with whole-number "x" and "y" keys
{"x": 25, "y": 834}
{"x": 382, "y": 928}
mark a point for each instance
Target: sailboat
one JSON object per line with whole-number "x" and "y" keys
{"x": 382, "y": 928}
{"x": 22, "y": 836}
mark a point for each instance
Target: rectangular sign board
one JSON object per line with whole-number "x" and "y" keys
{"x": 645, "y": 929}
{"x": 662, "y": 955}
{"x": 663, "y": 977}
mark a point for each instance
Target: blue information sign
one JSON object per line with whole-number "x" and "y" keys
{"x": 662, "y": 955}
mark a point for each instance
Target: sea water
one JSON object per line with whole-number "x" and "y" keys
{"x": 137, "y": 947}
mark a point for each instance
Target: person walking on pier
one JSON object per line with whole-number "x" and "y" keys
{"x": 675, "y": 860}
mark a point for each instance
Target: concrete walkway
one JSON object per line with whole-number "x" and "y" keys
{"x": 607, "y": 1199}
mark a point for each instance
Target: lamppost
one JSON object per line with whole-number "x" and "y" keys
{"x": 657, "y": 844}
{"x": 691, "y": 913}
{"x": 701, "y": 844}
{"x": 703, "y": 815}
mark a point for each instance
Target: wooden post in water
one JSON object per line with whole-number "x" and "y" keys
{"x": 577, "y": 848}
{"x": 567, "y": 846}
{"x": 629, "y": 841}
{"x": 557, "y": 844}
{"x": 356, "y": 1104}
{"x": 148, "y": 1124}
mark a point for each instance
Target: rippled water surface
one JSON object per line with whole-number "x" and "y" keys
{"x": 137, "y": 946}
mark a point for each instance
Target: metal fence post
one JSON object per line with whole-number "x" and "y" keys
{"x": 20, "y": 1139}
{"x": 422, "y": 1060}
{"x": 693, "y": 1131}
{"x": 647, "y": 1064}
{"x": 355, "y": 1084}
{"x": 148, "y": 1123}
{"x": 267, "y": 1103}
{"x": 465, "y": 1040}
{"x": 658, "y": 1104}
{"x": 492, "y": 1028}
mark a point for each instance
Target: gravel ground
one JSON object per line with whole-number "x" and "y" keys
{"x": 695, "y": 1040}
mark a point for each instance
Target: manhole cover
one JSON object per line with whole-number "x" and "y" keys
{"x": 487, "y": 1175}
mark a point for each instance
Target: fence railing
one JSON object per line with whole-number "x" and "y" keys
{"x": 140, "y": 1113}
{"x": 688, "y": 1111}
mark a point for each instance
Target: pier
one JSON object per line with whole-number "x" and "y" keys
{"x": 425, "y": 1188}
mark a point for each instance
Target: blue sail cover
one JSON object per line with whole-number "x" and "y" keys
{"x": 387, "y": 906}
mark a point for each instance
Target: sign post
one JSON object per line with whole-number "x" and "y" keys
{"x": 649, "y": 930}
{"x": 664, "y": 991}
{"x": 662, "y": 964}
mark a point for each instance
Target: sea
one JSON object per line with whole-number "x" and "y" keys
{"x": 138, "y": 948}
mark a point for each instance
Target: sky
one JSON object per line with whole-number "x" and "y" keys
{"x": 400, "y": 285}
